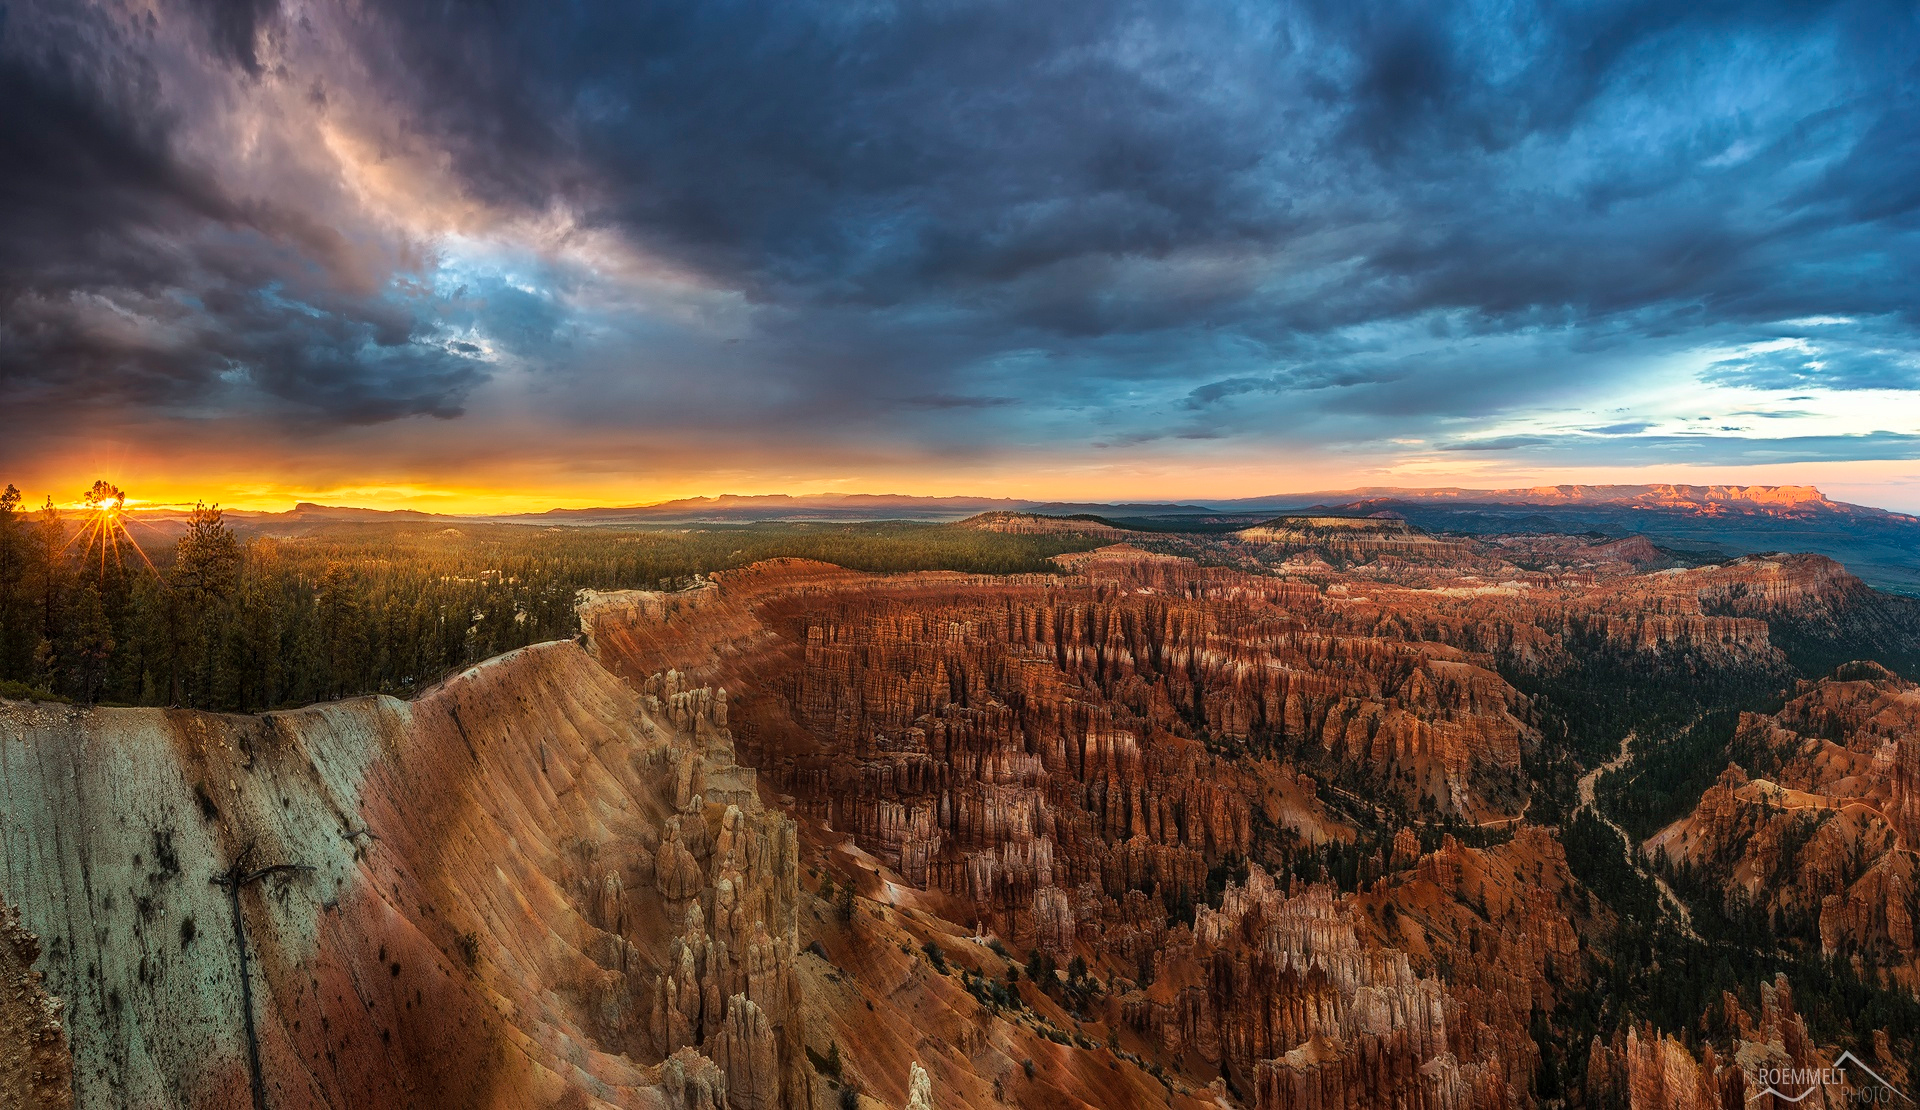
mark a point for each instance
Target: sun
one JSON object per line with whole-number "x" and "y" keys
{"x": 105, "y": 528}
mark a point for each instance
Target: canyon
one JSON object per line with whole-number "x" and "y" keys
{"x": 1815, "y": 832}
{"x": 1264, "y": 819}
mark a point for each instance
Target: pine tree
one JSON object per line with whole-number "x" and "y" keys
{"x": 206, "y": 569}
{"x": 49, "y": 543}
{"x": 343, "y": 633}
{"x": 13, "y": 638}
{"x": 89, "y": 644}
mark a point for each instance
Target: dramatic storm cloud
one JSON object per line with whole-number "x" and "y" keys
{"x": 846, "y": 242}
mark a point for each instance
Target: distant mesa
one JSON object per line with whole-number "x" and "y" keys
{"x": 1035, "y": 524}
{"x": 308, "y": 511}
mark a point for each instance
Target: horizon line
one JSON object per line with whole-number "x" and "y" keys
{"x": 536, "y": 507}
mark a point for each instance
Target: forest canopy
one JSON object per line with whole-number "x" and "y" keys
{"x": 100, "y": 606}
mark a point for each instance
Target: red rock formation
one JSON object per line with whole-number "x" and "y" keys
{"x": 968, "y": 707}
{"x": 1646, "y": 1069}
{"x": 1316, "y": 1001}
{"x": 1039, "y": 748}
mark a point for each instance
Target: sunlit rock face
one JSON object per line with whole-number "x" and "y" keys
{"x": 486, "y": 920}
{"x": 1346, "y": 540}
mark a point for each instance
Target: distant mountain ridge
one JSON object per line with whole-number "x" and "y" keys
{"x": 1773, "y": 500}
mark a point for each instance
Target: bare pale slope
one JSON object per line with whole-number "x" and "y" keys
{"x": 464, "y": 937}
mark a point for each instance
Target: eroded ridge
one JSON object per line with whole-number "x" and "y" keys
{"x": 533, "y": 885}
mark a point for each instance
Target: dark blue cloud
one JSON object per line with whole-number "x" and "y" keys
{"x": 1329, "y": 222}
{"x": 131, "y": 275}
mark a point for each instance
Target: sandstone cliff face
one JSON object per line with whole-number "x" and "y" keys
{"x": 1764, "y": 584}
{"x": 485, "y": 922}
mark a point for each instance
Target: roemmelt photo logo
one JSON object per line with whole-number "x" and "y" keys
{"x": 1848, "y": 1077}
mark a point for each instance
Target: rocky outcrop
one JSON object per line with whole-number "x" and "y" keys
{"x": 1282, "y": 992}
{"x": 919, "y": 1089}
{"x": 691, "y": 1081}
{"x": 1310, "y": 1000}
{"x": 36, "y": 1072}
{"x": 1646, "y": 1069}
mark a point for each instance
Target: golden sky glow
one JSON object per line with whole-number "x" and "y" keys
{"x": 267, "y": 486}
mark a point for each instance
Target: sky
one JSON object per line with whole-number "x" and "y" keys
{"x": 522, "y": 254}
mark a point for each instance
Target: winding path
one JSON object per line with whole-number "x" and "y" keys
{"x": 1841, "y": 805}
{"x": 1587, "y": 783}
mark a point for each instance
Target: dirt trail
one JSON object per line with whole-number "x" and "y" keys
{"x": 1587, "y": 783}
{"x": 1841, "y": 805}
